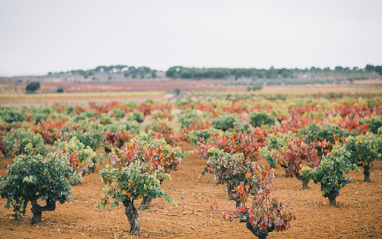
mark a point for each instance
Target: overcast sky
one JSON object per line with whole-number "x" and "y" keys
{"x": 54, "y": 35}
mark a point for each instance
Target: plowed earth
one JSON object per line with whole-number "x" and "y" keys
{"x": 358, "y": 213}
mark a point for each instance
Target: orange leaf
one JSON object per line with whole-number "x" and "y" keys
{"x": 247, "y": 175}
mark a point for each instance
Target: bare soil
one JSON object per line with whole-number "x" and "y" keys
{"x": 358, "y": 213}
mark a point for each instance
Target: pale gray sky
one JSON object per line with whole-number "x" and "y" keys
{"x": 54, "y": 35}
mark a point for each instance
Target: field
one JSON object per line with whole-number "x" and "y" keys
{"x": 78, "y": 98}
{"x": 358, "y": 213}
{"x": 82, "y": 93}
{"x": 12, "y": 93}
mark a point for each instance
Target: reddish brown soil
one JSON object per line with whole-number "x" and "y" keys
{"x": 76, "y": 100}
{"x": 358, "y": 213}
{"x": 144, "y": 85}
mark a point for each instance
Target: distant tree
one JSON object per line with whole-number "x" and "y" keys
{"x": 186, "y": 74}
{"x": 119, "y": 67}
{"x": 172, "y": 72}
{"x": 99, "y": 68}
{"x": 32, "y": 87}
{"x": 327, "y": 69}
{"x": 338, "y": 69}
{"x": 285, "y": 73}
{"x": 378, "y": 69}
{"x": 272, "y": 73}
{"x": 153, "y": 74}
{"x": 60, "y": 90}
{"x": 132, "y": 69}
{"x": 369, "y": 68}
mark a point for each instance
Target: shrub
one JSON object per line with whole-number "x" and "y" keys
{"x": 16, "y": 140}
{"x": 162, "y": 115}
{"x": 122, "y": 126}
{"x": 137, "y": 116}
{"x": 331, "y": 171}
{"x": 80, "y": 158}
{"x": 50, "y": 130}
{"x": 329, "y": 132}
{"x": 69, "y": 109}
{"x": 117, "y": 113}
{"x": 231, "y": 169}
{"x": 115, "y": 139}
{"x": 295, "y": 155}
{"x": 374, "y": 122}
{"x": 11, "y": 115}
{"x": 201, "y": 136}
{"x": 232, "y": 143}
{"x": 84, "y": 115}
{"x": 145, "y": 108}
{"x": 314, "y": 133}
{"x": 161, "y": 129}
{"x": 188, "y": 117}
{"x": 227, "y": 122}
{"x": 275, "y": 143}
{"x": 245, "y": 180}
{"x": 30, "y": 178}
{"x": 105, "y": 119}
{"x": 128, "y": 184}
{"x": 258, "y": 119}
{"x": 151, "y": 154}
{"x": 92, "y": 138}
{"x": 32, "y": 87}
{"x": 364, "y": 149}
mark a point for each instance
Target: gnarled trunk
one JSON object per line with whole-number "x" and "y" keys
{"x": 37, "y": 210}
{"x": 92, "y": 169}
{"x": 305, "y": 184}
{"x": 366, "y": 172}
{"x": 332, "y": 197}
{"x": 231, "y": 197}
{"x": 260, "y": 233}
{"x": 145, "y": 203}
{"x": 243, "y": 218}
{"x": 132, "y": 215}
{"x": 305, "y": 181}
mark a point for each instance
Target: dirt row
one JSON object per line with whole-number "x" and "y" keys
{"x": 357, "y": 215}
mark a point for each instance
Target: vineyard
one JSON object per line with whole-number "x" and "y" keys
{"x": 206, "y": 166}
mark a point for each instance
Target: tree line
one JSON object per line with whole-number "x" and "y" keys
{"x": 219, "y": 73}
{"x": 224, "y": 73}
{"x": 128, "y": 71}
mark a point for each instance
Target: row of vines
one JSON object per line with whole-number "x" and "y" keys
{"x": 136, "y": 146}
